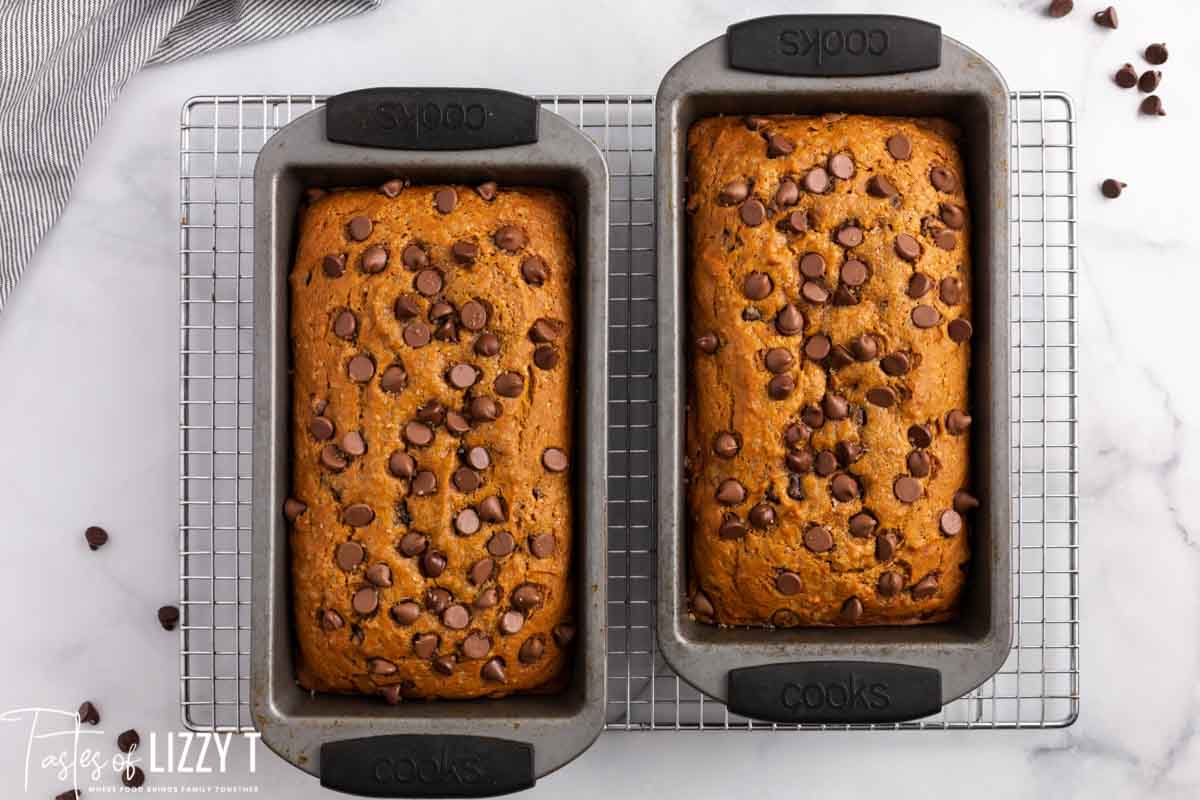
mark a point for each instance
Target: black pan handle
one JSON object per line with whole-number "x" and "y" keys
{"x": 835, "y": 692}
{"x": 834, "y": 45}
{"x": 431, "y": 119}
{"x": 412, "y": 765}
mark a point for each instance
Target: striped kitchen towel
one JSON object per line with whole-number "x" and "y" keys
{"x": 68, "y": 59}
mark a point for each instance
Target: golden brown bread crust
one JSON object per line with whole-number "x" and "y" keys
{"x": 763, "y": 556}
{"x": 342, "y": 649}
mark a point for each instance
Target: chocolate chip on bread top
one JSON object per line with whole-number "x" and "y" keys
{"x": 830, "y": 333}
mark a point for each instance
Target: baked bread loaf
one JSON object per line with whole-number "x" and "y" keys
{"x": 432, "y": 338}
{"x": 827, "y": 433}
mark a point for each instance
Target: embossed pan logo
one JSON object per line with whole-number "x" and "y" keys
{"x": 445, "y": 768}
{"x": 421, "y": 119}
{"x": 853, "y": 693}
{"x": 818, "y": 43}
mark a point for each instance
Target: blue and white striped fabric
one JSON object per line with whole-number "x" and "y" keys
{"x": 68, "y": 59}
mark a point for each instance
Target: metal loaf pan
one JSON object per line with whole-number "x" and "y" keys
{"x": 809, "y": 64}
{"x": 443, "y": 748}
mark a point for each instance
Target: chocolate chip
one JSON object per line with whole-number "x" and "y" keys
{"x": 477, "y": 645}
{"x": 789, "y": 321}
{"x": 331, "y": 620}
{"x": 413, "y": 544}
{"x": 812, "y": 265}
{"x": 333, "y": 458}
{"x": 510, "y": 238}
{"x": 894, "y": 364}
{"x": 880, "y": 186}
{"x": 349, "y": 555}
{"x": 781, "y": 386}
{"x": 925, "y": 316}
{"x": 392, "y": 188}
{"x": 733, "y": 193}
{"x": 168, "y": 617}
{"x": 445, "y": 200}
{"x": 788, "y": 193}
{"x": 789, "y": 583}
{"x": 128, "y": 740}
{"x": 854, "y": 273}
{"x": 511, "y": 622}
{"x": 835, "y": 406}
{"x": 456, "y": 617}
{"x": 959, "y": 330}
{"x": 899, "y": 146}
{"x": 920, "y": 436}
{"x": 797, "y": 222}
{"x": 825, "y": 464}
{"x": 437, "y": 600}
{"x": 473, "y": 315}
{"x": 418, "y": 434}
{"x": 957, "y": 422}
{"x": 842, "y": 166}
{"x": 762, "y": 516}
{"x": 847, "y": 452}
{"x": 527, "y": 596}
{"x": 946, "y": 240}
{"x": 907, "y": 247}
{"x": 424, "y": 483}
{"x": 950, "y": 522}
{"x": 816, "y": 180}
{"x": 852, "y": 609}
{"x": 864, "y": 347}
{"x": 818, "y": 539}
{"x": 466, "y": 522}
{"x": 1112, "y": 188}
{"x": 862, "y": 525}
{"x": 1106, "y": 18}
{"x": 334, "y": 266}
{"x": 814, "y": 292}
{"x": 353, "y": 444}
{"x": 425, "y": 645}
{"x": 374, "y": 259}
{"x": 756, "y": 123}
{"x": 752, "y": 212}
{"x": 919, "y": 285}
{"x": 292, "y": 508}
{"x": 428, "y": 282}
{"x": 1149, "y": 80}
{"x": 907, "y": 489}
{"x": 406, "y": 307}
{"x": 456, "y": 423}
{"x": 918, "y": 463}
{"x": 1126, "y": 77}
{"x": 840, "y": 357}
{"x": 889, "y": 584}
{"x": 943, "y": 180}
{"x": 817, "y": 347}
{"x": 777, "y": 360}
{"x": 405, "y": 613}
{"x": 844, "y": 487}
{"x": 952, "y": 216}
{"x": 482, "y": 571}
{"x": 531, "y": 651}
{"x": 321, "y": 428}
{"x": 358, "y": 515}
{"x": 543, "y": 545}
{"x": 757, "y": 285}
{"x": 365, "y": 600}
{"x": 414, "y": 257}
{"x": 444, "y": 665}
{"x": 360, "y": 369}
{"x": 379, "y": 575}
{"x": 433, "y": 563}
{"x": 731, "y": 492}
{"x": 359, "y": 228}
{"x": 345, "y": 324}
{"x": 1152, "y": 106}
{"x": 849, "y": 236}
{"x": 96, "y": 537}
{"x": 732, "y": 528}
{"x": 726, "y": 445}
{"x": 1156, "y": 54}
{"x": 466, "y": 480}
{"x": 554, "y": 460}
{"x": 534, "y": 271}
{"x": 707, "y": 343}
{"x": 886, "y": 545}
{"x": 487, "y": 190}
{"x": 1060, "y": 8}
{"x": 133, "y": 777}
{"x": 812, "y": 416}
{"x": 779, "y": 145}
{"x": 926, "y": 587}
{"x": 493, "y": 671}
{"x": 484, "y": 409}
{"x": 487, "y": 345}
{"x": 965, "y": 502}
{"x": 800, "y": 461}
{"x": 545, "y": 330}
{"x": 431, "y": 413}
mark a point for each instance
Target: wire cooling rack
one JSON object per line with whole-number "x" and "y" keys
{"x": 220, "y": 136}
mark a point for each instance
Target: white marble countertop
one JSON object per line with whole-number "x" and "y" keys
{"x": 88, "y": 351}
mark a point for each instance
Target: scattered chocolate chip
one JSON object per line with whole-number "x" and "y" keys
{"x": 925, "y": 316}
{"x": 406, "y": 307}
{"x": 168, "y": 617}
{"x": 886, "y": 545}
{"x": 1126, "y": 77}
{"x": 484, "y": 409}
{"x": 349, "y": 555}
{"x": 545, "y": 330}
{"x": 781, "y": 386}
{"x": 527, "y": 596}
{"x": 757, "y": 285}
{"x": 405, "y": 613}
{"x": 959, "y": 330}
{"x": 752, "y": 212}
{"x": 1112, "y": 188}
{"x": 365, "y": 600}
{"x": 358, "y": 515}
{"x": 424, "y": 483}
{"x": 919, "y": 285}
{"x": 852, "y": 609}
{"x": 128, "y": 740}
{"x": 379, "y": 575}
{"x": 487, "y": 190}
{"x": 456, "y": 617}
{"x": 880, "y": 186}
{"x": 835, "y": 406}
{"x": 952, "y": 216}
{"x": 797, "y": 222}
{"x": 413, "y": 544}
{"x": 817, "y": 347}
{"x": 812, "y": 265}
{"x": 543, "y": 545}
{"x": 456, "y": 423}
{"x": 95, "y": 536}
{"x": 359, "y": 228}
{"x": 842, "y": 166}
{"x": 1060, "y": 8}
{"x": 731, "y": 492}
{"x": 789, "y": 583}
{"x": 563, "y": 633}
{"x": 779, "y": 145}
{"x": 849, "y": 236}
{"x": 951, "y": 290}
{"x": 946, "y": 240}
{"x": 789, "y": 321}
{"x": 812, "y": 416}
{"x": 788, "y": 193}
{"x": 732, "y": 528}
{"x": 487, "y": 345}
{"x": 1149, "y": 80}
{"x": 1156, "y": 54}
{"x": 292, "y": 508}
{"x": 733, "y": 193}
{"x": 433, "y": 563}
{"x": 816, "y": 180}
{"x": 907, "y": 247}
{"x": 1153, "y": 106}
{"x": 425, "y": 645}
{"x": 414, "y": 257}
{"x": 847, "y": 452}
{"x": 926, "y": 587}
{"x": 943, "y": 180}
{"x": 334, "y": 266}
{"x": 1106, "y": 18}
{"x": 554, "y": 460}
{"x": 133, "y": 777}
{"x": 501, "y": 544}
{"x": 800, "y": 461}
{"x": 918, "y": 463}
{"x": 418, "y": 434}
{"x": 531, "y": 651}
{"x": 818, "y": 539}
{"x": 493, "y": 671}
{"x": 840, "y": 357}
{"x": 374, "y": 259}
{"x": 965, "y": 502}
{"x": 437, "y": 600}
{"x": 844, "y": 487}
{"x": 726, "y": 445}
{"x": 814, "y": 292}
{"x": 864, "y": 347}
{"x": 920, "y": 435}
{"x": 476, "y": 646}
{"x": 762, "y": 516}
{"x": 900, "y": 147}
{"x": 466, "y": 522}
{"x": 360, "y": 368}
{"x": 907, "y": 489}
{"x": 321, "y": 428}
{"x": 778, "y": 359}
{"x": 331, "y": 620}
{"x": 509, "y": 384}
{"x": 756, "y": 123}
{"x": 333, "y": 458}
{"x": 345, "y": 324}
{"x": 444, "y": 665}
{"x": 854, "y": 273}
{"x": 862, "y": 525}
{"x": 950, "y": 522}
{"x": 957, "y": 422}
{"x": 353, "y": 444}
{"x": 889, "y": 584}
{"x": 492, "y": 509}
{"x": 431, "y": 413}
{"x": 445, "y": 200}
{"x": 795, "y": 489}
{"x": 511, "y": 622}
{"x": 510, "y": 238}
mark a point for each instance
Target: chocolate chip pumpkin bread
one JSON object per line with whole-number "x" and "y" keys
{"x": 430, "y": 513}
{"x": 827, "y": 432}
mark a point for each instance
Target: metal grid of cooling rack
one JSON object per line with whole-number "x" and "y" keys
{"x": 1038, "y": 685}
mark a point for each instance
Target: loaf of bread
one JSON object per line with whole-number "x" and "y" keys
{"x": 430, "y": 509}
{"x": 827, "y": 431}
